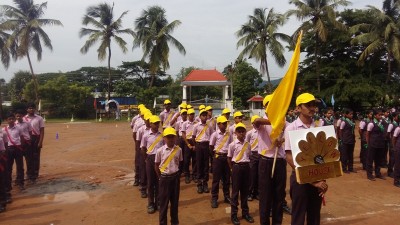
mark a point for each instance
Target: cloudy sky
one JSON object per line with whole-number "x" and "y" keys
{"x": 207, "y": 32}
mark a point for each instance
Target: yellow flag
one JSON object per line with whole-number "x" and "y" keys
{"x": 282, "y": 96}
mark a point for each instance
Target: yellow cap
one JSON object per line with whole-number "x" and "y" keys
{"x": 254, "y": 118}
{"x": 304, "y": 98}
{"x": 183, "y": 105}
{"x": 226, "y": 111}
{"x": 208, "y": 108}
{"x": 237, "y": 114}
{"x": 221, "y": 119}
{"x": 203, "y": 111}
{"x": 238, "y": 125}
{"x": 167, "y": 101}
{"x": 267, "y": 99}
{"x": 183, "y": 111}
{"x": 140, "y": 106}
{"x": 147, "y": 115}
{"x": 143, "y": 111}
{"x": 154, "y": 119}
{"x": 189, "y": 107}
{"x": 201, "y": 107}
{"x": 169, "y": 131}
{"x": 190, "y": 111}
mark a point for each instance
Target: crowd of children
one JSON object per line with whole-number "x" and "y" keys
{"x": 242, "y": 160}
{"x": 21, "y": 138}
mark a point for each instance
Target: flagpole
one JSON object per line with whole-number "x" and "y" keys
{"x": 273, "y": 165}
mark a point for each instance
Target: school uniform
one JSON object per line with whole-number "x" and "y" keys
{"x": 141, "y": 170}
{"x": 252, "y": 138}
{"x": 166, "y": 118}
{"x": 33, "y": 154}
{"x": 134, "y": 120}
{"x": 189, "y": 154}
{"x": 180, "y": 141}
{"x": 169, "y": 183}
{"x": 240, "y": 152}
{"x": 213, "y": 123}
{"x": 139, "y": 122}
{"x": 376, "y": 147}
{"x": 306, "y": 201}
{"x": 201, "y": 135}
{"x": 14, "y": 153}
{"x": 390, "y": 132}
{"x": 271, "y": 190}
{"x": 363, "y": 148}
{"x": 221, "y": 171}
{"x": 348, "y": 140}
{"x": 151, "y": 142}
{"x": 396, "y": 167}
{"x": 326, "y": 122}
{"x": 384, "y": 161}
{"x": 3, "y": 171}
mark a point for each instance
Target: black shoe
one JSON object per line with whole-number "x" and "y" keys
{"x": 397, "y": 184}
{"x": 346, "y": 171}
{"x": 250, "y": 198}
{"x": 381, "y": 177}
{"x": 143, "y": 195}
{"x": 21, "y": 187}
{"x": 2, "y": 208}
{"x": 187, "y": 180}
{"x": 352, "y": 171}
{"x": 150, "y": 209}
{"x": 195, "y": 180}
{"x": 8, "y": 199}
{"x": 390, "y": 174}
{"x": 200, "y": 189}
{"x": 287, "y": 209}
{"x": 227, "y": 200}
{"x": 235, "y": 220}
{"x": 371, "y": 178}
{"x": 136, "y": 183}
{"x": 205, "y": 189}
{"x": 214, "y": 203}
{"x": 248, "y": 218}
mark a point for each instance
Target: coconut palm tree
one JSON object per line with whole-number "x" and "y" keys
{"x": 101, "y": 17}
{"x": 260, "y": 35}
{"x": 25, "y": 23}
{"x": 316, "y": 14}
{"x": 382, "y": 34}
{"x": 153, "y": 34}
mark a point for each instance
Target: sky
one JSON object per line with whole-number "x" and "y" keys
{"x": 207, "y": 32}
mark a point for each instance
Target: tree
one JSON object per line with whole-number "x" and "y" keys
{"x": 17, "y": 84}
{"x": 102, "y": 18}
{"x": 153, "y": 34}
{"x": 25, "y": 22}
{"x": 316, "y": 15}
{"x": 259, "y": 35}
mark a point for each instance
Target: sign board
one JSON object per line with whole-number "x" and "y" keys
{"x": 315, "y": 154}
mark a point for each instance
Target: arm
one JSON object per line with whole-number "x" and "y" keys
{"x": 394, "y": 140}
{"x": 41, "y": 137}
{"x": 289, "y": 159}
{"x": 230, "y": 163}
{"x": 261, "y": 121}
{"x": 367, "y": 137}
{"x": 157, "y": 169}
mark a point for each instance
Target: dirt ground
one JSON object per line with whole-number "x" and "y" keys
{"x": 86, "y": 178}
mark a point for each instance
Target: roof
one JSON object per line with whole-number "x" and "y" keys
{"x": 205, "y": 78}
{"x": 256, "y": 98}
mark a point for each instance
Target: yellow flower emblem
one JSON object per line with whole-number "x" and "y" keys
{"x": 317, "y": 150}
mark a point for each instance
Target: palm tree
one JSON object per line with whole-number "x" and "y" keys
{"x": 25, "y": 23}
{"x": 153, "y": 33}
{"x": 382, "y": 34}
{"x": 316, "y": 15}
{"x": 102, "y": 18}
{"x": 260, "y": 35}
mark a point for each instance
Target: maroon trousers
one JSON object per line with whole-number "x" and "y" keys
{"x": 189, "y": 157}
{"x": 169, "y": 186}
{"x": 254, "y": 163}
{"x": 203, "y": 162}
{"x": 396, "y": 171}
{"x": 137, "y": 161}
{"x": 240, "y": 184}
{"x": 222, "y": 172}
{"x": 152, "y": 181}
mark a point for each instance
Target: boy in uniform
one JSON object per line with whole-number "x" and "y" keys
{"x": 167, "y": 160}
{"x": 396, "y": 146}
{"x": 219, "y": 143}
{"x": 141, "y": 170}
{"x": 376, "y": 145}
{"x": 37, "y": 136}
{"x": 362, "y": 130}
{"x": 201, "y": 136}
{"x": 347, "y": 139}
{"x": 391, "y": 128}
{"x": 238, "y": 117}
{"x": 239, "y": 162}
{"x": 227, "y": 113}
{"x": 167, "y": 114}
{"x": 139, "y": 122}
{"x": 3, "y": 169}
{"x": 190, "y": 154}
{"x": 149, "y": 145}
{"x": 306, "y": 198}
{"x": 252, "y": 138}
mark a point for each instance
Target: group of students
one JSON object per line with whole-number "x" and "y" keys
{"x": 240, "y": 158}
{"x": 21, "y": 138}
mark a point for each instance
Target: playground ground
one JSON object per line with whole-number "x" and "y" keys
{"x": 86, "y": 178}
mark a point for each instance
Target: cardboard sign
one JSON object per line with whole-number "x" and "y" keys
{"x": 315, "y": 154}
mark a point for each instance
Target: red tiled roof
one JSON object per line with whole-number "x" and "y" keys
{"x": 205, "y": 75}
{"x": 256, "y": 98}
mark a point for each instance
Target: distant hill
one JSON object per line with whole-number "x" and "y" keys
{"x": 274, "y": 82}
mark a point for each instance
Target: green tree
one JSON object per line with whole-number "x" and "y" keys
{"x": 316, "y": 15}
{"x": 106, "y": 29}
{"x": 17, "y": 84}
{"x": 153, "y": 34}
{"x": 26, "y": 25}
{"x": 260, "y": 35}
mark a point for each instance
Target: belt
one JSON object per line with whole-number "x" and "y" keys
{"x": 241, "y": 163}
{"x": 169, "y": 175}
{"x": 203, "y": 143}
{"x": 222, "y": 154}
{"x": 254, "y": 152}
{"x": 269, "y": 158}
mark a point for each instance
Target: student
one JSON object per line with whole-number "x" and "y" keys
{"x": 391, "y": 128}
{"x": 306, "y": 198}
{"x": 136, "y": 116}
{"x": 328, "y": 119}
{"x": 252, "y": 138}
{"x": 149, "y": 145}
{"x": 166, "y": 166}
{"x": 238, "y": 117}
{"x": 213, "y": 123}
{"x": 197, "y": 119}
{"x": 167, "y": 114}
{"x": 227, "y": 113}
{"x": 239, "y": 162}
{"x": 362, "y": 130}
{"x": 3, "y": 170}
{"x": 290, "y": 116}
{"x": 385, "y": 121}
{"x": 37, "y": 137}
{"x": 219, "y": 143}
{"x": 141, "y": 132}
{"x": 190, "y": 154}
{"x": 201, "y": 136}
{"x": 376, "y": 145}
{"x": 178, "y": 128}
{"x": 138, "y": 123}
{"x": 396, "y": 146}
{"x": 347, "y": 139}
